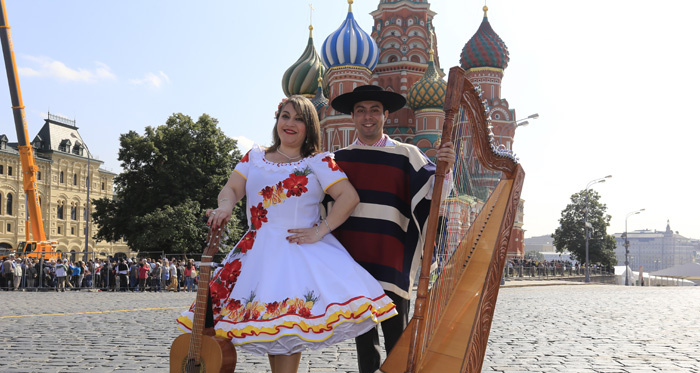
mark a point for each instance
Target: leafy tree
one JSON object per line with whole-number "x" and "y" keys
{"x": 570, "y": 234}
{"x": 171, "y": 175}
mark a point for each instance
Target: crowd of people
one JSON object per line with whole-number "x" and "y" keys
{"x": 523, "y": 267}
{"x": 111, "y": 274}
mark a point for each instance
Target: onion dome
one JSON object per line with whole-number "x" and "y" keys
{"x": 485, "y": 48}
{"x": 319, "y": 101}
{"x": 301, "y": 77}
{"x": 429, "y": 91}
{"x": 350, "y": 45}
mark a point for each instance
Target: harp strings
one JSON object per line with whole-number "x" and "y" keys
{"x": 472, "y": 185}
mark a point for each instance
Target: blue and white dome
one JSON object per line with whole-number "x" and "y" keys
{"x": 350, "y": 45}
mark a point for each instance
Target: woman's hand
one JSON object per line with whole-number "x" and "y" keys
{"x": 307, "y": 235}
{"x": 218, "y": 217}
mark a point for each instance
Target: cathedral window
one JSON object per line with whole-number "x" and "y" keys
{"x": 393, "y": 59}
{"x": 8, "y": 208}
{"x": 75, "y": 179}
{"x": 60, "y": 177}
{"x": 415, "y": 58}
{"x": 73, "y": 212}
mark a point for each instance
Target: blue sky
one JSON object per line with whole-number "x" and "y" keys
{"x": 606, "y": 78}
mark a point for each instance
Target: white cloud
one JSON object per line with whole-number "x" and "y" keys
{"x": 152, "y": 80}
{"x": 47, "y": 67}
{"x": 244, "y": 143}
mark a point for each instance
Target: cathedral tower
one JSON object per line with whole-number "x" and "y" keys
{"x": 402, "y": 29}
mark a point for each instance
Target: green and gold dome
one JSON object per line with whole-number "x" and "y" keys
{"x": 429, "y": 91}
{"x": 302, "y": 77}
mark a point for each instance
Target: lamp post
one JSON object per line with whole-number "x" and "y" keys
{"x": 586, "y": 225}
{"x": 524, "y": 122}
{"x": 627, "y": 248}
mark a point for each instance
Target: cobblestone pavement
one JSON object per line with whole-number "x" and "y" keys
{"x": 569, "y": 328}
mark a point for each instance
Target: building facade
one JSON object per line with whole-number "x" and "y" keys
{"x": 65, "y": 166}
{"x": 656, "y": 250}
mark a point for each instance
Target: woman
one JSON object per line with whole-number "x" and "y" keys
{"x": 288, "y": 285}
{"x": 188, "y": 276}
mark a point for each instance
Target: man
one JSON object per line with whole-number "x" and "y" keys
{"x": 8, "y": 271}
{"x": 394, "y": 182}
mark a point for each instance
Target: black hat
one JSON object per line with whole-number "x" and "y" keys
{"x": 391, "y": 101}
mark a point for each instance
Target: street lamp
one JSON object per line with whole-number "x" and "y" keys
{"x": 586, "y": 225}
{"x": 524, "y": 122}
{"x": 627, "y": 247}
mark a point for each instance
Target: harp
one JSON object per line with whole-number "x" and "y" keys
{"x": 467, "y": 239}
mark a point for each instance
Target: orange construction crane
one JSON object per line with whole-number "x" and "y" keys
{"x": 40, "y": 246}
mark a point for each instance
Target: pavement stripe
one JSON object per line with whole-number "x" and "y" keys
{"x": 89, "y": 312}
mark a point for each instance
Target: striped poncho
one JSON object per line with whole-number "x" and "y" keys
{"x": 384, "y": 232}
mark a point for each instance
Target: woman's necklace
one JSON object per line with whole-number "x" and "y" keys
{"x": 288, "y": 157}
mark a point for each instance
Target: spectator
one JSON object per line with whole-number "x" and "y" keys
{"x": 61, "y": 270}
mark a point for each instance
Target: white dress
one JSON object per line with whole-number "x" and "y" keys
{"x": 275, "y": 297}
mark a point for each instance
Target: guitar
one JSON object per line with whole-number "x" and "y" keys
{"x": 195, "y": 352}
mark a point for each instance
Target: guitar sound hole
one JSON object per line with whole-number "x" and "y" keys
{"x": 191, "y": 366}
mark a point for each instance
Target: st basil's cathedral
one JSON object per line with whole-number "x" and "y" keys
{"x": 400, "y": 55}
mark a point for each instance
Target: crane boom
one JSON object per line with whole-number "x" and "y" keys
{"x": 26, "y": 152}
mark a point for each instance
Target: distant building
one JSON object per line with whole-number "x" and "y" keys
{"x": 62, "y": 158}
{"x": 545, "y": 246}
{"x": 656, "y": 250}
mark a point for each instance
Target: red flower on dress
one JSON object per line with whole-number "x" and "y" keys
{"x": 234, "y": 305}
{"x": 229, "y": 274}
{"x": 295, "y": 184}
{"x": 218, "y": 292}
{"x": 304, "y": 312}
{"x": 272, "y": 307}
{"x": 245, "y": 158}
{"x": 246, "y": 243}
{"x": 331, "y": 163}
{"x": 258, "y": 215}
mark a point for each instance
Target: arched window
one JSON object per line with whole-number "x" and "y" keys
{"x": 393, "y": 59}
{"x": 75, "y": 179}
{"x": 415, "y": 58}
{"x": 8, "y": 209}
{"x": 59, "y": 210}
{"x": 60, "y": 177}
{"x": 73, "y": 212}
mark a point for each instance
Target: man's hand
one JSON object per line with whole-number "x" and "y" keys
{"x": 447, "y": 154}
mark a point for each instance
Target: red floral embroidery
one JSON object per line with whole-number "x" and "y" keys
{"x": 258, "y": 215}
{"x": 218, "y": 292}
{"x": 272, "y": 307}
{"x": 305, "y": 312}
{"x": 229, "y": 274}
{"x": 234, "y": 305}
{"x": 331, "y": 163}
{"x": 295, "y": 185}
{"x": 245, "y": 158}
{"x": 246, "y": 243}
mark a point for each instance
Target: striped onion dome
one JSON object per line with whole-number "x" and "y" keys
{"x": 429, "y": 91}
{"x": 302, "y": 77}
{"x": 485, "y": 48}
{"x": 350, "y": 45}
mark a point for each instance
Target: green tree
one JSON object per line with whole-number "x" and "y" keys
{"x": 171, "y": 175}
{"x": 570, "y": 234}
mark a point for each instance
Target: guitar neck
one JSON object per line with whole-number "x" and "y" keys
{"x": 200, "y": 307}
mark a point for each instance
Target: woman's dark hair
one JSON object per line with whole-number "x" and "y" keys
{"x": 303, "y": 107}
